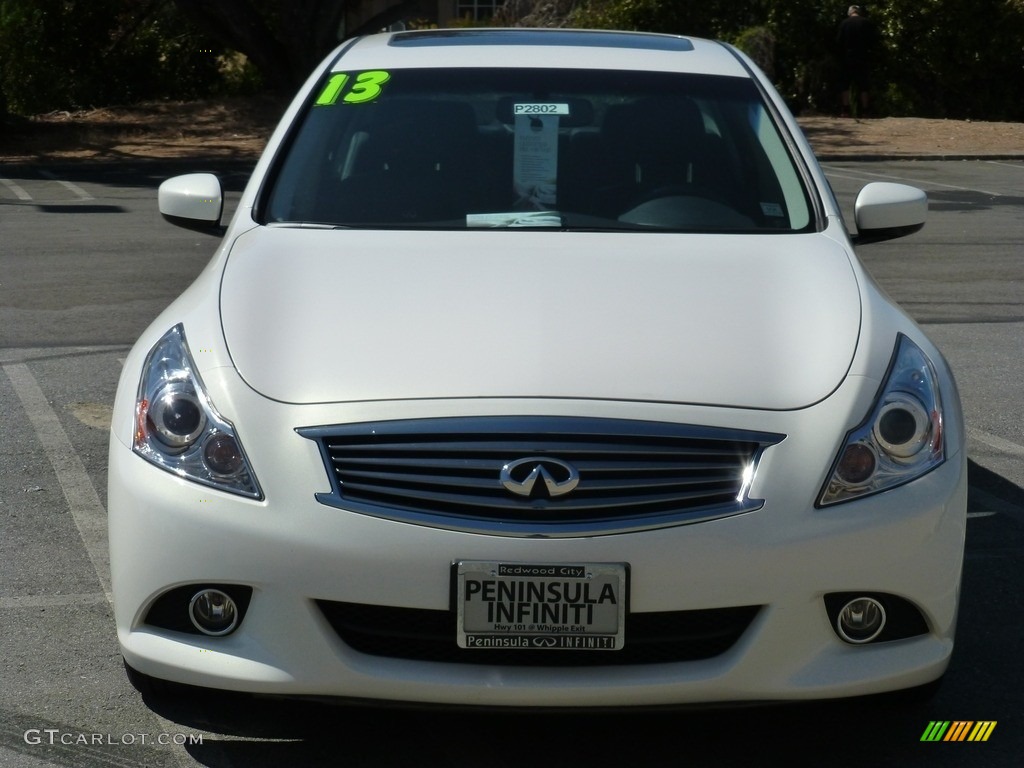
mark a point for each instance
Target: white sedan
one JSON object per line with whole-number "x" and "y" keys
{"x": 536, "y": 367}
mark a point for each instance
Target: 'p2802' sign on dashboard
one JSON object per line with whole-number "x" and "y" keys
{"x": 534, "y": 108}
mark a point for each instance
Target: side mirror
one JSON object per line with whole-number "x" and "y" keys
{"x": 885, "y": 211}
{"x": 194, "y": 201}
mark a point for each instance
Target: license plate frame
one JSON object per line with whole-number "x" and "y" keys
{"x": 540, "y": 606}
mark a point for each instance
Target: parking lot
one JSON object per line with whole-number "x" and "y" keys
{"x": 86, "y": 263}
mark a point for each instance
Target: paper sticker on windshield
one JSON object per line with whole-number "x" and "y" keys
{"x": 352, "y": 89}
{"x": 535, "y": 168}
{"x": 514, "y": 219}
{"x": 537, "y": 109}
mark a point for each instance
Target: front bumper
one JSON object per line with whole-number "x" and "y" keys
{"x": 293, "y": 551}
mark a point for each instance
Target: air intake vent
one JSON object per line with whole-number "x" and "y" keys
{"x": 421, "y": 635}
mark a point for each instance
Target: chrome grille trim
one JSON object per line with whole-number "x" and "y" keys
{"x": 634, "y": 475}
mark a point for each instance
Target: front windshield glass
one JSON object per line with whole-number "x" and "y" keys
{"x": 539, "y": 148}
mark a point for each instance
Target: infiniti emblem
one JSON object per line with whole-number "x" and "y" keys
{"x": 521, "y": 476}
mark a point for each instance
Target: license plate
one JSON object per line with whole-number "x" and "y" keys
{"x": 541, "y": 606}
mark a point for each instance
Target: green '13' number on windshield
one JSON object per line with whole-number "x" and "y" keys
{"x": 366, "y": 87}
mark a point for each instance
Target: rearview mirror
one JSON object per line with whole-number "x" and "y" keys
{"x": 885, "y": 211}
{"x": 194, "y": 201}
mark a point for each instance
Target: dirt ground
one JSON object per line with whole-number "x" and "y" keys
{"x": 238, "y": 128}
{"x": 912, "y": 137}
{"x": 233, "y": 128}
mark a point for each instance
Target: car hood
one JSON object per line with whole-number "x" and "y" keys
{"x": 318, "y": 316}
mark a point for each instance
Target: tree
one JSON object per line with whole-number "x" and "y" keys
{"x": 537, "y": 13}
{"x": 954, "y": 58}
{"x": 284, "y": 39}
{"x": 939, "y": 58}
{"x": 68, "y": 54}
{"x": 722, "y": 19}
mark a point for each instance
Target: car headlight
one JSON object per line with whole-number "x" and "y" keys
{"x": 902, "y": 437}
{"x": 177, "y": 427}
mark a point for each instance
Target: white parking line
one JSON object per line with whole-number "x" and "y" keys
{"x": 996, "y": 442}
{"x": 859, "y": 176}
{"x": 1018, "y": 166}
{"x": 69, "y": 185}
{"x": 18, "y": 191}
{"x": 83, "y": 502}
{"x": 90, "y": 518}
{"x": 51, "y": 601}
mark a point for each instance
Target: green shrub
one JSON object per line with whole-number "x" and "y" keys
{"x": 63, "y": 54}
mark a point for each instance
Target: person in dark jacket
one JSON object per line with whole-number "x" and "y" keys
{"x": 857, "y": 39}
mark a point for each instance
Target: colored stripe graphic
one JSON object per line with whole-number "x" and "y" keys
{"x": 982, "y": 730}
{"x": 935, "y": 731}
{"x": 958, "y": 730}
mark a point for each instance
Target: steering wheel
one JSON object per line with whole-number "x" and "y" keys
{"x": 685, "y": 207}
{"x": 681, "y": 190}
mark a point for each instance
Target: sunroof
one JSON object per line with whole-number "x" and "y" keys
{"x": 584, "y": 39}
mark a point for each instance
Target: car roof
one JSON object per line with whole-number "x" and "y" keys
{"x": 529, "y": 48}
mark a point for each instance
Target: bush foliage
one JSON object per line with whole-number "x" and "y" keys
{"x": 936, "y": 58}
{"x": 63, "y": 54}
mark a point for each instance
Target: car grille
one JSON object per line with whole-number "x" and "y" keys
{"x": 425, "y": 635}
{"x": 632, "y": 475}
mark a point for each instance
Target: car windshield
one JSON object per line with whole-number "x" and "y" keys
{"x": 573, "y": 149}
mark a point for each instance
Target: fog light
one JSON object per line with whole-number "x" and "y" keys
{"x": 213, "y": 612}
{"x": 861, "y": 620}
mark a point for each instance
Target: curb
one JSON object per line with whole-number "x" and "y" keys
{"x": 829, "y": 157}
